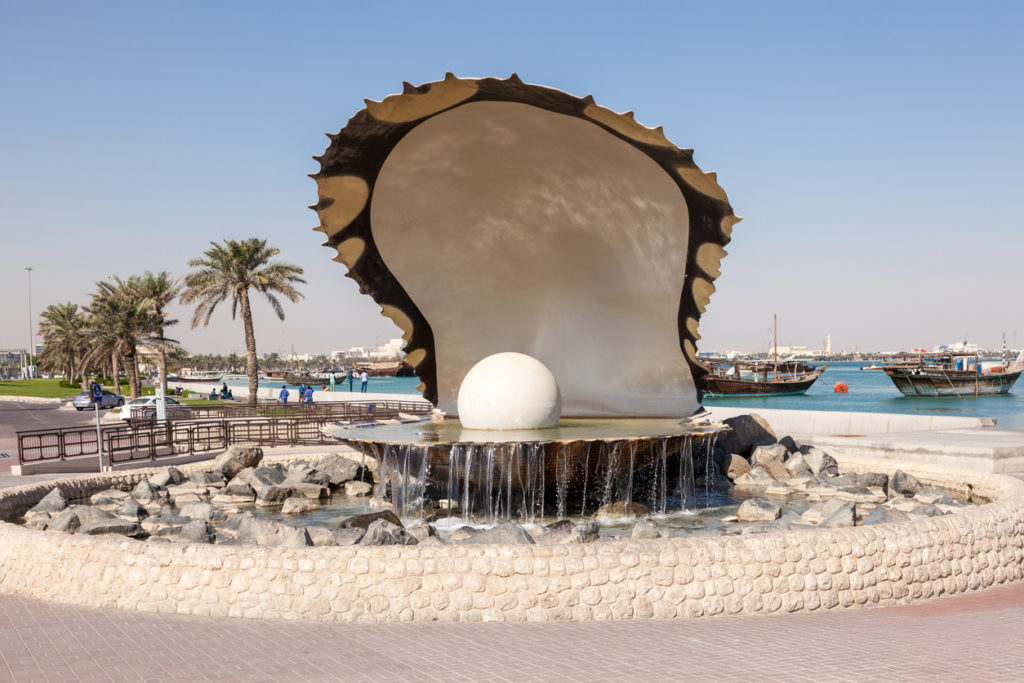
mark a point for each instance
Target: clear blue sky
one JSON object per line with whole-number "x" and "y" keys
{"x": 874, "y": 149}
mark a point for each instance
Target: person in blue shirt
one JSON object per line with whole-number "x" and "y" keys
{"x": 309, "y": 394}
{"x": 283, "y": 396}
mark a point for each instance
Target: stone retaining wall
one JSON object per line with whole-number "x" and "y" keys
{"x": 786, "y": 571}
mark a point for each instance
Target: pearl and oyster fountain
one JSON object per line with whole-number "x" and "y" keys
{"x": 548, "y": 261}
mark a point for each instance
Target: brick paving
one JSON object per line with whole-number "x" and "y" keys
{"x": 969, "y": 637}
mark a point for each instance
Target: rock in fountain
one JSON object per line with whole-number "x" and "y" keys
{"x": 509, "y": 228}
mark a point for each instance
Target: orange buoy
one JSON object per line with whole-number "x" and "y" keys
{"x": 841, "y": 388}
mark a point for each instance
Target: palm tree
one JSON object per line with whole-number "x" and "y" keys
{"x": 122, "y": 320}
{"x": 232, "y": 269}
{"x": 63, "y": 329}
{"x": 160, "y": 289}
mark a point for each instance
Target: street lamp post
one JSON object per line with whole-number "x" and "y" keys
{"x": 31, "y": 336}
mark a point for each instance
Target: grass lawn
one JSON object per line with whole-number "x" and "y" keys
{"x": 42, "y": 388}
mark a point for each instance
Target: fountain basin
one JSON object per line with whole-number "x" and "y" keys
{"x": 572, "y": 468}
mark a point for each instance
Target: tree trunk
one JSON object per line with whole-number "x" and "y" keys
{"x": 251, "y": 368}
{"x": 132, "y": 366}
{"x": 161, "y": 350}
{"x": 115, "y": 371}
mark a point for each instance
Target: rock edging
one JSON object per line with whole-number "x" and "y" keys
{"x": 785, "y": 571}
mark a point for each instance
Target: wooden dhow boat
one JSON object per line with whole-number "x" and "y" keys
{"x": 761, "y": 378}
{"x": 956, "y": 375}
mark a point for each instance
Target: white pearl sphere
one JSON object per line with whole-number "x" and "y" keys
{"x": 509, "y": 391}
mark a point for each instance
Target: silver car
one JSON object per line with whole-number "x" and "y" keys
{"x": 83, "y": 401}
{"x": 145, "y": 407}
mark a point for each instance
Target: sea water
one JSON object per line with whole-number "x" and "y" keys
{"x": 870, "y": 391}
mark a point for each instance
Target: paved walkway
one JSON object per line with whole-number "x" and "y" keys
{"x": 970, "y": 637}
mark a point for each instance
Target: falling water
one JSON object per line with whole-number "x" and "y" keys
{"x": 493, "y": 482}
{"x": 629, "y": 485}
{"x": 687, "y": 488}
{"x": 586, "y": 476}
{"x": 562, "y": 478}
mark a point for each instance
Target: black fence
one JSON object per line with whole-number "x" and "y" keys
{"x": 338, "y": 410}
{"x": 193, "y": 430}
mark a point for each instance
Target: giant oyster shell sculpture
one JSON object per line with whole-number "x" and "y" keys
{"x": 488, "y": 215}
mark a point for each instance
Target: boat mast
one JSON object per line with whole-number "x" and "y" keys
{"x": 775, "y": 351}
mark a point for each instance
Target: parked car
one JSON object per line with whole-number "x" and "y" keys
{"x": 144, "y": 407}
{"x": 83, "y": 401}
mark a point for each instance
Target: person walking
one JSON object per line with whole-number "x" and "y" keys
{"x": 309, "y": 394}
{"x": 365, "y": 379}
{"x": 283, "y": 395}
{"x": 332, "y": 381}
{"x": 351, "y": 378}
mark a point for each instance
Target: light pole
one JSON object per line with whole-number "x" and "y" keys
{"x": 31, "y": 336}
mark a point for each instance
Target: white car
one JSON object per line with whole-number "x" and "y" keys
{"x": 144, "y": 407}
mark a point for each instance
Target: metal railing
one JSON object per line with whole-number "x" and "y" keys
{"x": 339, "y": 410}
{"x": 193, "y": 432}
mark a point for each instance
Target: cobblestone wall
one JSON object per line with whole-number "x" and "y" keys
{"x": 780, "y": 572}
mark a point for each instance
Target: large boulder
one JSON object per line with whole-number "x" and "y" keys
{"x": 790, "y": 444}
{"x": 348, "y": 536}
{"x": 311, "y": 491}
{"x": 860, "y": 494}
{"x": 166, "y": 477}
{"x": 270, "y": 496}
{"x": 207, "y": 478}
{"x": 929, "y": 494}
{"x": 131, "y": 509}
{"x": 203, "y": 511}
{"x": 585, "y": 532}
{"x": 504, "y": 533}
{"x": 113, "y": 525}
{"x": 146, "y": 492}
{"x": 383, "y": 532}
{"x": 264, "y": 477}
{"x": 298, "y": 506}
{"x": 843, "y": 516}
{"x": 756, "y": 477}
{"x": 819, "y": 461}
{"x": 762, "y": 455}
{"x": 746, "y": 432}
{"x": 796, "y": 465}
{"x": 293, "y": 537}
{"x": 67, "y": 521}
{"x": 307, "y": 475}
{"x": 421, "y": 531}
{"x": 358, "y": 488}
{"x": 758, "y": 510}
{"x": 823, "y": 510}
{"x": 110, "y": 497}
{"x": 647, "y": 529}
{"x": 364, "y": 521}
{"x": 777, "y": 471}
{"x": 251, "y": 529}
{"x": 340, "y": 469}
{"x": 904, "y": 484}
{"x": 197, "y": 531}
{"x": 237, "y": 458}
{"x": 54, "y": 501}
{"x": 874, "y": 480}
{"x": 734, "y": 466}
{"x": 884, "y": 516}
